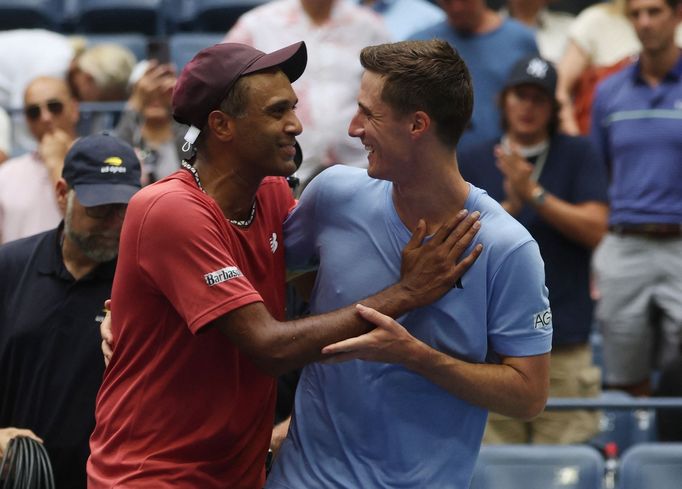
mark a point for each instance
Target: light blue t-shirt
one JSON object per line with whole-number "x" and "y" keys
{"x": 363, "y": 424}
{"x": 490, "y": 57}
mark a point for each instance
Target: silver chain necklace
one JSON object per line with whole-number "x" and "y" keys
{"x": 241, "y": 223}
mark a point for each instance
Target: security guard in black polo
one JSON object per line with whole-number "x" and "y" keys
{"x": 52, "y": 290}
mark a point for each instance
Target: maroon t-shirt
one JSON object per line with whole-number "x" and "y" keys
{"x": 180, "y": 405}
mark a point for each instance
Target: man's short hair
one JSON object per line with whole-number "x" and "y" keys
{"x": 428, "y": 76}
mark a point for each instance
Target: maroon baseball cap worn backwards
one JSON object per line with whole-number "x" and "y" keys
{"x": 209, "y": 76}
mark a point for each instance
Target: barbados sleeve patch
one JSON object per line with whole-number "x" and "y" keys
{"x": 543, "y": 319}
{"x": 222, "y": 275}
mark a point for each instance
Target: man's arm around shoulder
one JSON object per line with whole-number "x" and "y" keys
{"x": 428, "y": 271}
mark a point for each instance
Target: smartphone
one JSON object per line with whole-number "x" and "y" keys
{"x": 157, "y": 48}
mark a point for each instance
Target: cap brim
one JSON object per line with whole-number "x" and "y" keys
{"x": 103, "y": 194}
{"x": 291, "y": 59}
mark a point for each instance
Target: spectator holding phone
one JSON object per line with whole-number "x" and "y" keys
{"x": 147, "y": 122}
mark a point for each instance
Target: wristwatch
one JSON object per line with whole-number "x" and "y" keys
{"x": 538, "y": 195}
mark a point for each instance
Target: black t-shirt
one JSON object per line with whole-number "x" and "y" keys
{"x": 51, "y": 365}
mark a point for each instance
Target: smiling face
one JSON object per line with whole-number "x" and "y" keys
{"x": 383, "y": 132}
{"x": 265, "y": 134}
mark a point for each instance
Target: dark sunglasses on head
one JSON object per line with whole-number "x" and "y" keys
{"x": 55, "y": 107}
{"x": 102, "y": 211}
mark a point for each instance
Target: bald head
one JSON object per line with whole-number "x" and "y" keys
{"x": 49, "y": 105}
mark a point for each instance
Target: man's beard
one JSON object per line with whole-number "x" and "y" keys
{"x": 90, "y": 243}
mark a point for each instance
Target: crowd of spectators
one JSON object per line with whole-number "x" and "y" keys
{"x": 601, "y": 173}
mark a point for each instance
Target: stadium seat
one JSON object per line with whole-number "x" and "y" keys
{"x": 538, "y": 467}
{"x": 220, "y": 15}
{"x": 119, "y": 16}
{"x": 183, "y": 46}
{"x": 624, "y": 427}
{"x": 179, "y": 15}
{"x": 30, "y": 14}
{"x": 651, "y": 465}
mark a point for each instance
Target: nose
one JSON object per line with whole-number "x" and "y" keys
{"x": 46, "y": 116}
{"x": 355, "y": 129}
{"x": 294, "y": 125}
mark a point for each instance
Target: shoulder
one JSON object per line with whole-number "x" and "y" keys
{"x": 17, "y": 165}
{"x": 276, "y": 190}
{"x": 440, "y": 29}
{"x": 616, "y": 82}
{"x": 500, "y": 232}
{"x": 170, "y": 202}
{"x": 16, "y": 254}
{"x": 352, "y": 12}
{"x": 558, "y": 19}
{"x": 594, "y": 14}
{"x": 268, "y": 8}
{"x": 342, "y": 179}
{"x": 513, "y": 27}
{"x": 273, "y": 184}
{"x": 340, "y": 188}
{"x": 272, "y": 12}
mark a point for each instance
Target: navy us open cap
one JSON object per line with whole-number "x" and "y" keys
{"x": 102, "y": 170}
{"x": 209, "y": 76}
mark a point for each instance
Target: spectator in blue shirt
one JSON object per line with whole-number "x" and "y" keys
{"x": 637, "y": 126}
{"x": 490, "y": 46}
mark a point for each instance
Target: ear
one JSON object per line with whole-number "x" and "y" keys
{"x": 62, "y": 192}
{"x": 419, "y": 123}
{"x": 221, "y": 125}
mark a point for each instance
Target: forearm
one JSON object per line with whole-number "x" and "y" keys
{"x": 278, "y": 347}
{"x": 584, "y": 223}
{"x": 54, "y": 168}
{"x": 569, "y": 69}
{"x": 574, "y": 62}
{"x": 428, "y": 271}
{"x": 518, "y": 387}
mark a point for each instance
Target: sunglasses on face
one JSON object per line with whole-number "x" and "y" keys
{"x": 33, "y": 111}
{"x": 103, "y": 211}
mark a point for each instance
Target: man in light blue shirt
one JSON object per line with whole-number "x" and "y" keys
{"x": 407, "y": 405}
